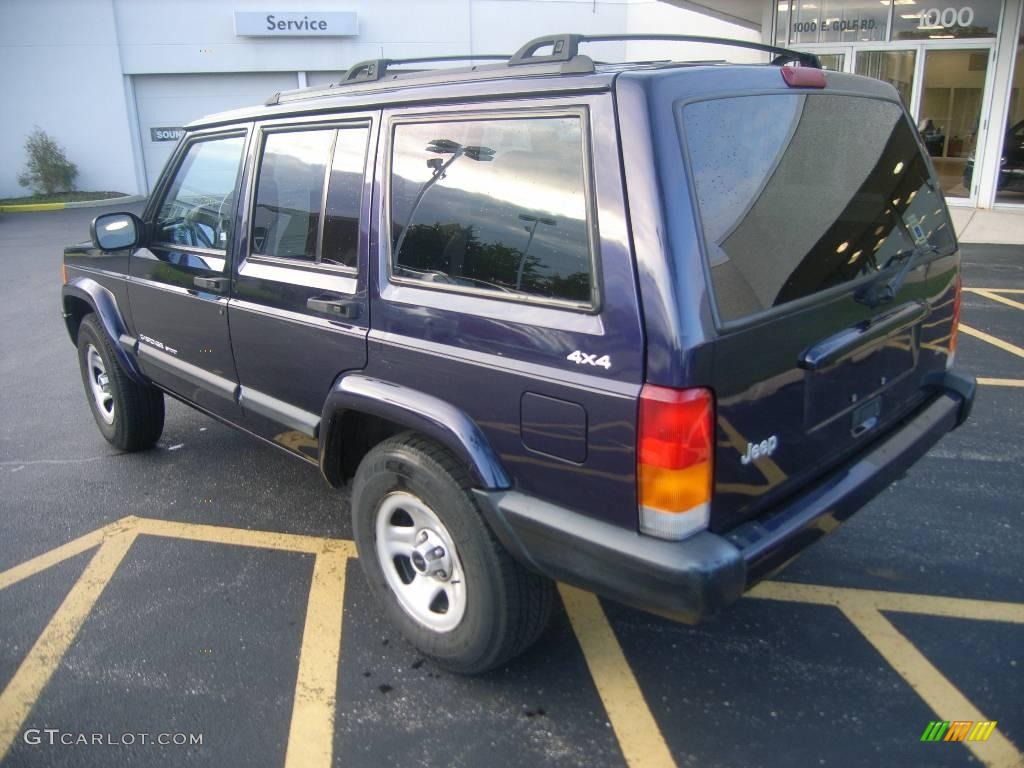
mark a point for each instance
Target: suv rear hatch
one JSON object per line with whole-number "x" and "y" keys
{"x": 833, "y": 268}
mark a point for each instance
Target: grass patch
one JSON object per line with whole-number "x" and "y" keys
{"x": 61, "y": 197}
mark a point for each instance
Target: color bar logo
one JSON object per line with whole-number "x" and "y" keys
{"x": 959, "y": 730}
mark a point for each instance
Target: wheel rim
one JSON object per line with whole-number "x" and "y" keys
{"x": 420, "y": 562}
{"x": 99, "y": 385}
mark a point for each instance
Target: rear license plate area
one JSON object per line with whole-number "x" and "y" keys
{"x": 861, "y": 376}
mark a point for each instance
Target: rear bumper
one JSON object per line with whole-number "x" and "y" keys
{"x": 694, "y": 579}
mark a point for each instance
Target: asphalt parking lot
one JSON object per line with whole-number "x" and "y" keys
{"x": 196, "y": 589}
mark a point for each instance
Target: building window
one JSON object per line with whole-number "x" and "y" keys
{"x": 1010, "y": 187}
{"x": 497, "y": 205}
{"x": 945, "y": 21}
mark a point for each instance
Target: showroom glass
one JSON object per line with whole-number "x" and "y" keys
{"x": 787, "y": 211}
{"x": 893, "y": 67}
{"x": 950, "y": 114}
{"x": 931, "y": 20}
{"x": 829, "y": 21}
{"x": 199, "y": 206}
{"x": 496, "y": 205}
{"x": 1010, "y": 187}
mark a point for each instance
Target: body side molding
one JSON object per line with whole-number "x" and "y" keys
{"x": 429, "y": 415}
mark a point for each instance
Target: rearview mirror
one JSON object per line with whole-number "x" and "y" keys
{"x": 115, "y": 231}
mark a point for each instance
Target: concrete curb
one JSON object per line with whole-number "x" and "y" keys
{"x": 38, "y": 207}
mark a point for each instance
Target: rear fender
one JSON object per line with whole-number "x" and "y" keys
{"x": 409, "y": 409}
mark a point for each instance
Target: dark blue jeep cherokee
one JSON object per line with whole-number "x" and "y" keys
{"x": 650, "y": 329}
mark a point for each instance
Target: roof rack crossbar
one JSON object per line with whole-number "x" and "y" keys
{"x": 565, "y": 47}
{"x": 374, "y": 69}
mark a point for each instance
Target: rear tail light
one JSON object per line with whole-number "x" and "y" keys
{"x": 675, "y": 447}
{"x": 64, "y": 274}
{"x": 957, "y": 297}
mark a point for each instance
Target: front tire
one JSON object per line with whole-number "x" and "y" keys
{"x": 443, "y": 578}
{"x": 129, "y": 415}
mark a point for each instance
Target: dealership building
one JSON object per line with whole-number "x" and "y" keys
{"x": 114, "y": 81}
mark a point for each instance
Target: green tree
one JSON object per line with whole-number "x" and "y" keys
{"x": 48, "y": 169}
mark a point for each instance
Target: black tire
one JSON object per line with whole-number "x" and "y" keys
{"x": 506, "y": 607}
{"x": 136, "y": 418}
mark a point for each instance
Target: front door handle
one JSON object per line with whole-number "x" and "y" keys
{"x": 216, "y": 284}
{"x": 332, "y": 305}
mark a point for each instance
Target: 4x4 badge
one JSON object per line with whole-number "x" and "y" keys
{"x": 582, "y": 358}
{"x": 757, "y": 450}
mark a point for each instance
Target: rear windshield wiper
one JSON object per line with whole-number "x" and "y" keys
{"x": 880, "y": 292}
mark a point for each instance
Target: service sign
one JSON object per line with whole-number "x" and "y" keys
{"x": 296, "y": 24}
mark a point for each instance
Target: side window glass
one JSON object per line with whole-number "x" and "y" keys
{"x": 344, "y": 194}
{"x": 289, "y": 193}
{"x": 199, "y": 206}
{"x": 496, "y": 204}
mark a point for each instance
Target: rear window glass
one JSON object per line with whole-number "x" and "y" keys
{"x": 801, "y": 193}
{"x": 497, "y": 205}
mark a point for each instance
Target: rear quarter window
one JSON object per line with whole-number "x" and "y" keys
{"x": 496, "y": 205}
{"x": 798, "y": 194}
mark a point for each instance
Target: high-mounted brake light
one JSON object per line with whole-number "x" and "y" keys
{"x": 957, "y": 297}
{"x": 803, "y": 77}
{"x": 675, "y": 449}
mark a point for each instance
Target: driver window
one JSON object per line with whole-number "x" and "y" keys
{"x": 199, "y": 207}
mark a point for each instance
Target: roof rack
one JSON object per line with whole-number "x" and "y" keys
{"x": 374, "y": 69}
{"x": 565, "y": 47}
{"x": 564, "y": 58}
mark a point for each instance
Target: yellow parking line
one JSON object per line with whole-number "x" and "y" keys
{"x": 1012, "y": 348}
{"x": 217, "y": 534}
{"x": 635, "y": 727}
{"x": 1001, "y": 382}
{"x": 944, "y": 698}
{"x": 996, "y": 297}
{"x": 39, "y": 665}
{"x": 997, "y": 290}
{"x": 64, "y": 552}
{"x": 899, "y": 602}
{"x": 311, "y": 737}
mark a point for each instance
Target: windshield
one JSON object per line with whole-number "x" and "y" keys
{"x": 800, "y": 193}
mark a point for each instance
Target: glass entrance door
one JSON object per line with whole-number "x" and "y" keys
{"x": 894, "y": 66}
{"x": 949, "y": 117}
{"x": 835, "y": 59}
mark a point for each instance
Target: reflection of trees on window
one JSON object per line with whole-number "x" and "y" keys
{"x": 465, "y": 207}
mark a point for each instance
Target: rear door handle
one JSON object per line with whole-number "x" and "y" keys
{"x": 216, "y": 284}
{"x": 331, "y": 305}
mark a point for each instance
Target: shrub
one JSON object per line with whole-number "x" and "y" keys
{"x": 48, "y": 170}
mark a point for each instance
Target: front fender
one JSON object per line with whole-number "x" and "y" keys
{"x": 104, "y": 305}
{"x": 430, "y": 416}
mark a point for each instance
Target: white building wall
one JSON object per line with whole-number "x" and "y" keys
{"x": 62, "y": 72}
{"x": 69, "y": 63}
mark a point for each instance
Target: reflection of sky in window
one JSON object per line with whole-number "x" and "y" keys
{"x": 304, "y": 147}
{"x": 532, "y": 161}
{"x": 536, "y": 171}
{"x": 212, "y": 167}
{"x": 734, "y": 143}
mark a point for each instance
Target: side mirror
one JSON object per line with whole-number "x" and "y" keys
{"x": 115, "y": 231}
